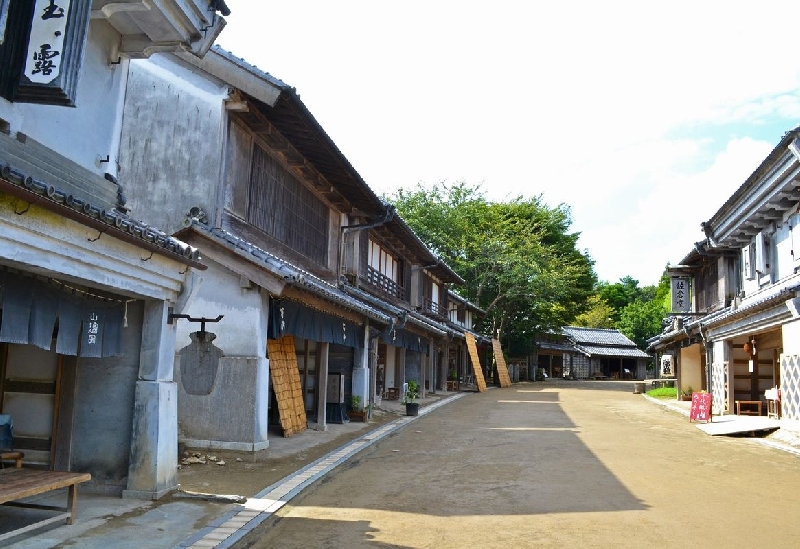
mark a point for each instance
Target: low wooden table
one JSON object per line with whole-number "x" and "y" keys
{"x": 757, "y": 404}
{"x": 452, "y": 385}
{"x": 393, "y": 393}
{"x": 17, "y": 483}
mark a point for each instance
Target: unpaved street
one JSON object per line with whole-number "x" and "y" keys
{"x": 554, "y": 464}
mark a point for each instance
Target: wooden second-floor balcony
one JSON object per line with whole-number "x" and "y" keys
{"x": 433, "y": 308}
{"x": 383, "y": 284}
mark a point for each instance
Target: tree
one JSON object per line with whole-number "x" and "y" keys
{"x": 619, "y": 295}
{"x": 599, "y": 314}
{"x": 641, "y": 319}
{"x": 518, "y": 258}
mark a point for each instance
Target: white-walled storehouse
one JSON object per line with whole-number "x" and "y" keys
{"x": 86, "y": 347}
{"x": 228, "y": 158}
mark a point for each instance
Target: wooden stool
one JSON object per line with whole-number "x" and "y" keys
{"x": 16, "y": 456}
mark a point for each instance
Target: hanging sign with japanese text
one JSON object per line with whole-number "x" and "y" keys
{"x": 55, "y": 52}
{"x": 680, "y": 295}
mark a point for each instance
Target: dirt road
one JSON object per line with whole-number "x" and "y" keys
{"x": 549, "y": 465}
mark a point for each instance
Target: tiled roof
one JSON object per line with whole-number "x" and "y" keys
{"x": 602, "y": 342}
{"x": 290, "y": 273}
{"x": 112, "y": 221}
{"x": 594, "y": 350}
{"x": 599, "y": 336}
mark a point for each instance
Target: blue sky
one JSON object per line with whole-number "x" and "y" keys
{"x": 642, "y": 117}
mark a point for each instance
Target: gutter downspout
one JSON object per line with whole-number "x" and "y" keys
{"x": 388, "y": 215}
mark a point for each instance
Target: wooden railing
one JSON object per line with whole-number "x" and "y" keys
{"x": 384, "y": 284}
{"x": 432, "y": 307}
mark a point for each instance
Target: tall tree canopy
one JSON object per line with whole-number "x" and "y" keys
{"x": 635, "y": 311}
{"x": 518, "y": 258}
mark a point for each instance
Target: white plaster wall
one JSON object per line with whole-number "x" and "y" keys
{"x": 172, "y": 143}
{"x": 53, "y": 245}
{"x": 691, "y": 371}
{"x": 242, "y": 331}
{"x": 390, "y": 373}
{"x": 91, "y": 129}
{"x": 784, "y": 261}
{"x": 791, "y": 338}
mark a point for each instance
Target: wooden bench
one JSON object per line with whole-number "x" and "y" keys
{"x": 452, "y": 385}
{"x": 749, "y": 405}
{"x": 17, "y": 483}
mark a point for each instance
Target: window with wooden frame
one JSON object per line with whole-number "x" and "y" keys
{"x": 281, "y": 206}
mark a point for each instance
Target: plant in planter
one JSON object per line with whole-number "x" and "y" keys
{"x": 452, "y": 375}
{"x": 410, "y": 400}
{"x": 687, "y": 394}
{"x": 356, "y": 411}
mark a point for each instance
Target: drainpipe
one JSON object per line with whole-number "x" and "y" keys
{"x": 388, "y": 215}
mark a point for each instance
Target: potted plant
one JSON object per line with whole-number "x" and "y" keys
{"x": 356, "y": 411}
{"x": 410, "y": 400}
{"x": 452, "y": 380}
{"x": 687, "y": 394}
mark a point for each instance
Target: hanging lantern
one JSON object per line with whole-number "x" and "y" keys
{"x": 748, "y": 348}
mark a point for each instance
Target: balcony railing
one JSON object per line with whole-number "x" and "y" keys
{"x": 432, "y": 307}
{"x": 384, "y": 284}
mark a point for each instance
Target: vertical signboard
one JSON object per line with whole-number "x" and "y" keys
{"x": 701, "y": 407}
{"x": 681, "y": 302}
{"x": 54, "y": 55}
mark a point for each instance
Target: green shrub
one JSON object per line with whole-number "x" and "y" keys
{"x": 663, "y": 392}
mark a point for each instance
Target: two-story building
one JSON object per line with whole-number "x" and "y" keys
{"x": 86, "y": 288}
{"x": 739, "y": 337}
{"x": 312, "y": 273}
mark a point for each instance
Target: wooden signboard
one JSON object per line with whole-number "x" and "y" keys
{"x": 701, "y": 407}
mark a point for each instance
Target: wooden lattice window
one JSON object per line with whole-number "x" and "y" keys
{"x": 285, "y": 209}
{"x": 707, "y": 288}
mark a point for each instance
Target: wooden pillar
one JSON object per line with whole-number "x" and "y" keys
{"x": 322, "y": 385}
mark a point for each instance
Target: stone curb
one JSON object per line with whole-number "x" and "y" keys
{"x": 230, "y": 528}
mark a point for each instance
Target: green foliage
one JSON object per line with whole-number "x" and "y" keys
{"x": 599, "y": 314}
{"x": 641, "y": 320}
{"x": 413, "y": 392}
{"x": 518, "y": 258}
{"x": 637, "y": 312}
{"x": 663, "y": 392}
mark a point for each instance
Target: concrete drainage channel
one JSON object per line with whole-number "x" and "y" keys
{"x": 234, "y": 525}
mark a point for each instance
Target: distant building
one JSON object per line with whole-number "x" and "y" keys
{"x": 590, "y": 353}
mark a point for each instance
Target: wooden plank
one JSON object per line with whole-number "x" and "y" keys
{"x": 20, "y": 483}
{"x": 62, "y": 434}
{"x": 502, "y": 368}
{"x": 472, "y": 346}
{"x": 286, "y": 384}
{"x": 30, "y": 386}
